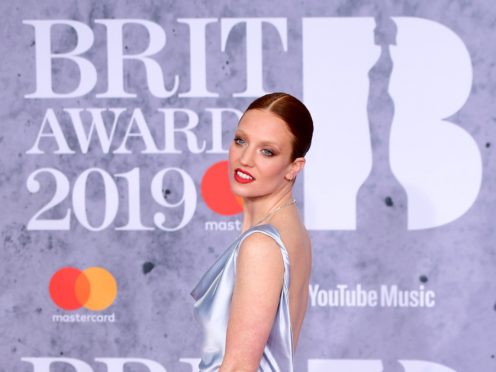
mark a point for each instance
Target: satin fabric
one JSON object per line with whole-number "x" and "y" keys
{"x": 213, "y": 300}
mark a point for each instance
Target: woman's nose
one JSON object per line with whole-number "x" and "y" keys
{"x": 247, "y": 157}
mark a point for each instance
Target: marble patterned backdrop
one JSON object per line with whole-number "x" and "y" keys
{"x": 155, "y": 270}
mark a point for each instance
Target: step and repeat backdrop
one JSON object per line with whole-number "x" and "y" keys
{"x": 116, "y": 117}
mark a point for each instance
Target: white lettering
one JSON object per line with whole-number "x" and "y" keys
{"x": 217, "y": 128}
{"x": 170, "y": 130}
{"x": 198, "y": 58}
{"x": 56, "y": 133}
{"x": 348, "y": 365}
{"x": 143, "y": 133}
{"x": 313, "y": 290}
{"x": 223, "y": 225}
{"x": 116, "y": 57}
{"x": 193, "y": 362}
{"x": 43, "y": 364}
{"x": 117, "y": 364}
{"x": 44, "y": 57}
{"x": 97, "y": 124}
{"x": 254, "y": 61}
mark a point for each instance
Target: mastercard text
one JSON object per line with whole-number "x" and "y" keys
{"x": 83, "y": 318}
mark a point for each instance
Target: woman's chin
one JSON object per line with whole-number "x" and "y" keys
{"x": 239, "y": 192}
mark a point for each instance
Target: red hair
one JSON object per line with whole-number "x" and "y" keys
{"x": 294, "y": 113}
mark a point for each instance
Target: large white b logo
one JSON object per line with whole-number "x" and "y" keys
{"x": 437, "y": 162}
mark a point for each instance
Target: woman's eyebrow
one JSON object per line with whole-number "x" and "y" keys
{"x": 269, "y": 143}
{"x": 262, "y": 142}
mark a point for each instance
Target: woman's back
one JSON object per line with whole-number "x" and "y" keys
{"x": 297, "y": 242}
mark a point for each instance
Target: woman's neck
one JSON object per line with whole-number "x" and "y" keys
{"x": 258, "y": 210}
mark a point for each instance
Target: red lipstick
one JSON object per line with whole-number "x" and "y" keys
{"x": 243, "y": 176}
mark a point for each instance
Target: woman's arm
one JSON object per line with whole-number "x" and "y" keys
{"x": 259, "y": 280}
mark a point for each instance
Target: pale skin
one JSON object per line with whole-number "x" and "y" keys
{"x": 262, "y": 147}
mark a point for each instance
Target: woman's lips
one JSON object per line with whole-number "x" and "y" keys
{"x": 242, "y": 176}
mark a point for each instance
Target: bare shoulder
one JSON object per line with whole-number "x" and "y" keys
{"x": 256, "y": 238}
{"x": 259, "y": 271}
{"x": 259, "y": 247}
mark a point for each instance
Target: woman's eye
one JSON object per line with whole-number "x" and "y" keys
{"x": 267, "y": 152}
{"x": 239, "y": 141}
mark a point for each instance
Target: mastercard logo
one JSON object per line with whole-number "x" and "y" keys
{"x": 216, "y": 191}
{"x": 93, "y": 288}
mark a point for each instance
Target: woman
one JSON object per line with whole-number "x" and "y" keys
{"x": 252, "y": 301}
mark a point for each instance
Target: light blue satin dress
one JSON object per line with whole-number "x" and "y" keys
{"x": 213, "y": 300}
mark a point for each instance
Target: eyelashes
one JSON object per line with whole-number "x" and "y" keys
{"x": 265, "y": 151}
{"x": 239, "y": 141}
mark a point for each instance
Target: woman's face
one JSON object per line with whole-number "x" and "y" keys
{"x": 260, "y": 155}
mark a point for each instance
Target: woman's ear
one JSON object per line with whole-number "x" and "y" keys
{"x": 295, "y": 167}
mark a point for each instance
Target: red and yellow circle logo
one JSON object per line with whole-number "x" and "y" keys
{"x": 216, "y": 191}
{"x": 93, "y": 288}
